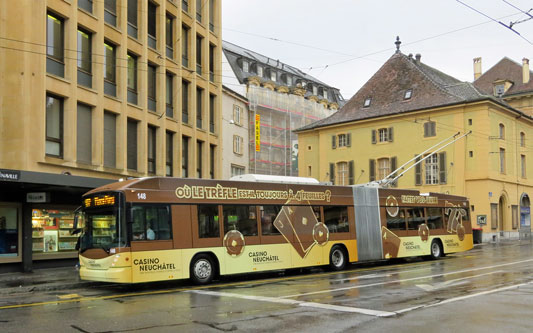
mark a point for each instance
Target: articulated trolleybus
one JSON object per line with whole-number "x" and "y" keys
{"x": 152, "y": 229}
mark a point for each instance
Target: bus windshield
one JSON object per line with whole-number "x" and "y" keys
{"x": 103, "y": 227}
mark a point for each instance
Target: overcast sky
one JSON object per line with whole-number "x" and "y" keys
{"x": 344, "y": 42}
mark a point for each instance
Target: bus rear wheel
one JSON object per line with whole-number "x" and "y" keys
{"x": 202, "y": 269}
{"x": 337, "y": 258}
{"x": 436, "y": 251}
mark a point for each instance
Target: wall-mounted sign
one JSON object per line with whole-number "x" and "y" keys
{"x": 482, "y": 220}
{"x": 9, "y": 175}
{"x": 257, "y": 132}
{"x": 37, "y": 197}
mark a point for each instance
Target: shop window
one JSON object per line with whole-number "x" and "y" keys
{"x": 52, "y": 231}
{"x": 241, "y": 218}
{"x": 151, "y": 222}
{"x": 336, "y": 218}
{"x": 208, "y": 221}
{"x": 268, "y": 216}
{"x": 9, "y": 232}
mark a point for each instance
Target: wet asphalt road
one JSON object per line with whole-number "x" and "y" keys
{"x": 488, "y": 289}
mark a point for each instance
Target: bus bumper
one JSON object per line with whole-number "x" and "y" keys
{"x": 118, "y": 274}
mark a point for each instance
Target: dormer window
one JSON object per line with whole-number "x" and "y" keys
{"x": 408, "y": 94}
{"x": 273, "y": 76}
{"x": 367, "y": 102}
{"x": 325, "y": 94}
{"x": 499, "y": 89}
{"x": 315, "y": 90}
{"x": 289, "y": 81}
{"x": 260, "y": 71}
{"x": 245, "y": 66}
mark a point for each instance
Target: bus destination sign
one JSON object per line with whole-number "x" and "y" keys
{"x": 99, "y": 201}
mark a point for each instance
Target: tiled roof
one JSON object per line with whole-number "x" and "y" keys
{"x": 505, "y": 69}
{"x": 430, "y": 88}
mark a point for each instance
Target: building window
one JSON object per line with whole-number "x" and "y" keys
{"x": 84, "y": 59}
{"x": 110, "y": 85}
{"x": 185, "y": 45}
{"x": 430, "y": 129}
{"x": 199, "y": 42}
{"x": 132, "y": 79}
{"x": 86, "y": 5}
{"x": 383, "y": 168}
{"x": 54, "y": 46}
{"x": 212, "y": 15}
{"x": 199, "y": 107}
{"x": 51, "y": 229}
{"x": 9, "y": 231}
{"x": 470, "y": 122}
{"x": 185, "y": 102}
{"x": 169, "y": 35}
{"x": 199, "y": 7}
{"x": 169, "y": 95}
{"x": 367, "y": 102}
{"x": 260, "y": 71}
{"x": 344, "y": 140}
{"x": 408, "y": 94}
{"x": 84, "y": 134}
{"x": 212, "y": 51}
{"x": 212, "y": 100}
{"x": 385, "y": 134}
{"x": 185, "y": 157}
{"x": 110, "y": 12}
{"x": 151, "y": 154}
{"x": 432, "y": 170}
{"x": 237, "y": 170}
{"x": 212, "y": 151}
{"x": 502, "y": 160}
{"x": 110, "y": 139}
{"x": 273, "y": 76}
{"x": 237, "y": 114}
{"x": 342, "y": 173}
{"x": 54, "y": 126}
{"x": 132, "y": 145}
{"x": 289, "y": 81}
{"x": 502, "y": 131}
{"x": 152, "y": 103}
{"x": 523, "y": 166}
{"x": 132, "y": 18}
{"x": 152, "y": 25}
{"x": 315, "y": 90}
{"x": 499, "y": 89}
{"x": 237, "y": 144}
{"x": 522, "y": 139}
{"x": 185, "y": 5}
{"x": 245, "y": 66}
{"x": 170, "y": 153}
{"x": 199, "y": 159}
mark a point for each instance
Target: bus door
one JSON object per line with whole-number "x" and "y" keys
{"x": 367, "y": 223}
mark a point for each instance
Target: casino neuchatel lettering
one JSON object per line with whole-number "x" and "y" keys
{"x": 37, "y": 217}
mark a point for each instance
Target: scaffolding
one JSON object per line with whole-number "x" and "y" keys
{"x": 279, "y": 115}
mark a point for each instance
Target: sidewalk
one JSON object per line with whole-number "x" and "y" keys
{"x": 43, "y": 279}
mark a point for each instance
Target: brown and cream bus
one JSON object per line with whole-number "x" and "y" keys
{"x": 159, "y": 228}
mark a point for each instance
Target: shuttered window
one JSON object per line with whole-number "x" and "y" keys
{"x": 393, "y": 165}
{"x": 110, "y": 139}
{"x": 372, "y": 170}
{"x": 84, "y": 134}
{"x": 333, "y": 141}
{"x": 418, "y": 172}
{"x": 442, "y": 168}
{"x": 351, "y": 173}
{"x": 332, "y": 173}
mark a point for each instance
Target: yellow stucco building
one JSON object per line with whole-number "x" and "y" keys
{"x": 95, "y": 91}
{"x": 408, "y": 107}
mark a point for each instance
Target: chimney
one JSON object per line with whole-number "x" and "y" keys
{"x": 410, "y": 56}
{"x": 417, "y": 57}
{"x": 477, "y": 68}
{"x": 525, "y": 70}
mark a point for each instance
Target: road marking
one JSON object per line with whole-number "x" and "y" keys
{"x": 376, "y": 275}
{"x": 404, "y": 280}
{"x": 450, "y": 283}
{"x": 460, "y": 298}
{"x": 339, "y": 308}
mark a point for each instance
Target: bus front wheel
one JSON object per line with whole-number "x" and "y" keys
{"x": 337, "y": 258}
{"x": 202, "y": 269}
{"x": 436, "y": 250}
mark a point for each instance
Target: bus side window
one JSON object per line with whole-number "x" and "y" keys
{"x": 151, "y": 222}
{"x": 396, "y": 222}
{"x": 415, "y": 217}
{"x": 435, "y": 220}
{"x": 268, "y": 216}
{"x": 208, "y": 221}
{"x": 336, "y": 218}
{"x": 241, "y": 218}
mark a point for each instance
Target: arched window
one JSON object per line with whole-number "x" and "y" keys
{"x": 502, "y": 131}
